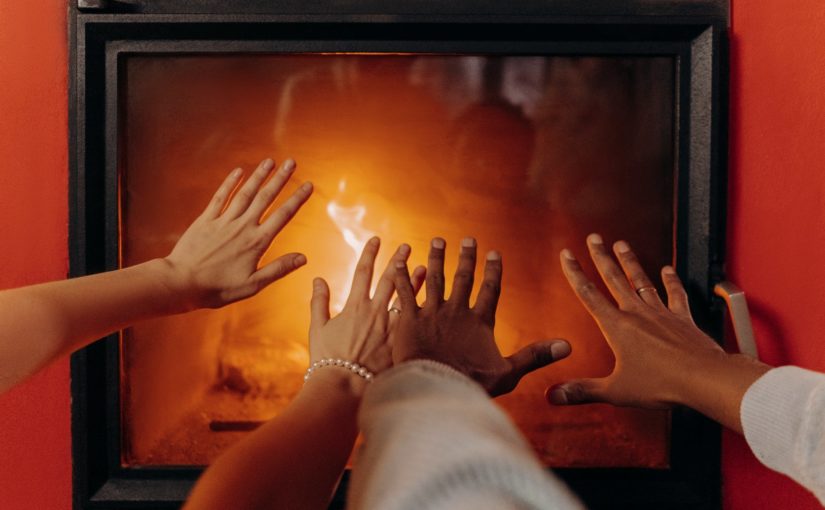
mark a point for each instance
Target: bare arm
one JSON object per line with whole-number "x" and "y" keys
{"x": 214, "y": 263}
{"x": 662, "y": 358}
{"x": 296, "y": 460}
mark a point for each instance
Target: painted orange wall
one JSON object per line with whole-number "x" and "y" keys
{"x": 35, "y": 448}
{"x": 776, "y": 213}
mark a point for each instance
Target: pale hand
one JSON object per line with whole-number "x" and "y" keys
{"x": 216, "y": 260}
{"x": 359, "y": 333}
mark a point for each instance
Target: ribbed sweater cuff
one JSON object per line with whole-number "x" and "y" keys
{"x": 773, "y": 411}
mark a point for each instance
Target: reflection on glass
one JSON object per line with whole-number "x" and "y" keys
{"x": 527, "y": 154}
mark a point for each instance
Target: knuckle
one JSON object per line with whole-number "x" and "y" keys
{"x": 491, "y": 287}
{"x": 587, "y": 289}
{"x": 463, "y": 276}
{"x": 540, "y": 357}
{"x": 576, "y": 393}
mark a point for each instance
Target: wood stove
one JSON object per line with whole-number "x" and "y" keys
{"x": 526, "y": 126}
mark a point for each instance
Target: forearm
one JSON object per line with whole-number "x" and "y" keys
{"x": 296, "y": 460}
{"x": 42, "y": 322}
{"x": 714, "y": 384}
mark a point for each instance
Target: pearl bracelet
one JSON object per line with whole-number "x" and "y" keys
{"x": 353, "y": 367}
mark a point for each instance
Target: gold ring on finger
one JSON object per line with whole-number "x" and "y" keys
{"x": 649, "y": 288}
{"x": 395, "y": 310}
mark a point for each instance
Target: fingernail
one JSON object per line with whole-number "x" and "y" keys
{"x": 307, "y": 186}
{"x": 438, "y": 243}
{"x": 560, "y": 350}
{"x": 493, "y": 255}
{"x": 567, "y": 254}
{"x": 557, "y": 396}
{"x": 237, "y": 172}
{"x": 317, "y": 283}
{"x": 468, "y": 242}
{"x": 299, "y": 260}
{"x": 595, "y": 239}
{"x": 374, "y": 241}
{"x": 289, "y": 165}
{"x": 622, "y": 247}
{"x": 404, "y": 250}
{"x": 668, "y": 270}
{"x": 267, "y": 164}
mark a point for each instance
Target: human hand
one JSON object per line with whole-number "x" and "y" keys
{"x": 452, "y": 333}
{"x": 662, "y": 358}
{"x": 215, "y": 262}
{"x": 359, "y": 333}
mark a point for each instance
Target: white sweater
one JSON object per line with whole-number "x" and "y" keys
{"x": 434, "y": 440}
{"x": 783, "y": 416}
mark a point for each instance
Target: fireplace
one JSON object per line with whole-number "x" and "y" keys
{"x": 525, "y": 129}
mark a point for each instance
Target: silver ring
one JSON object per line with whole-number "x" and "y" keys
{"x": 395, "y": 310}
{"x": 648, "y": 288}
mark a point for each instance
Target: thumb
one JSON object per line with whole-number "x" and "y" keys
{"x": 532, "y": 357}
{"x": 579, "y": 391}
{"x": 537, "y": 355}
{"x": 319, "y": 305}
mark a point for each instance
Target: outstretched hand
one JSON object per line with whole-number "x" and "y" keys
{"x": 360, "y": 332}
{"x": 215, "y": 262}
{"x": 451, "y": 332}
{"x": 662, "y": 358}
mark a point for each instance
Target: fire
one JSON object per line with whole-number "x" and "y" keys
{"x": 349, "y": 221}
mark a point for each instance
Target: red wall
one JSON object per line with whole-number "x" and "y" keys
{"x": 776, "y": 214}
{"x": 35, "y": 449}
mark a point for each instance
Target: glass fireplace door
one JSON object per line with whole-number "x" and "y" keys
{"x": 526, "y": 153}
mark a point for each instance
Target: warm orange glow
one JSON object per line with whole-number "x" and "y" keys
{"x": 527, "y": 154}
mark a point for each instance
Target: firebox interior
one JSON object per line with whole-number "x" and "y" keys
{"x": 526, "y": 153}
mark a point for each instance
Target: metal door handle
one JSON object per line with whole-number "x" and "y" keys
{"x": 740, "y": 316}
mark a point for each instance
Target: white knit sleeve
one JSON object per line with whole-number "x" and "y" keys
{"x": 433, "y": 439}
{"x": 783, "y": 417}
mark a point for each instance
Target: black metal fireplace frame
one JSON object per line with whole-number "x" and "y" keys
{"x": 104, "y": 32}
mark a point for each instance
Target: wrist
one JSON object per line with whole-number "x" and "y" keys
{"x": 177, "y": 293}
{"x": 715, "y": 382}
{"x": 336, "y": 380}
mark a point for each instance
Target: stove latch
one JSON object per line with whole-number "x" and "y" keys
{"x": 740, "y": 316}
